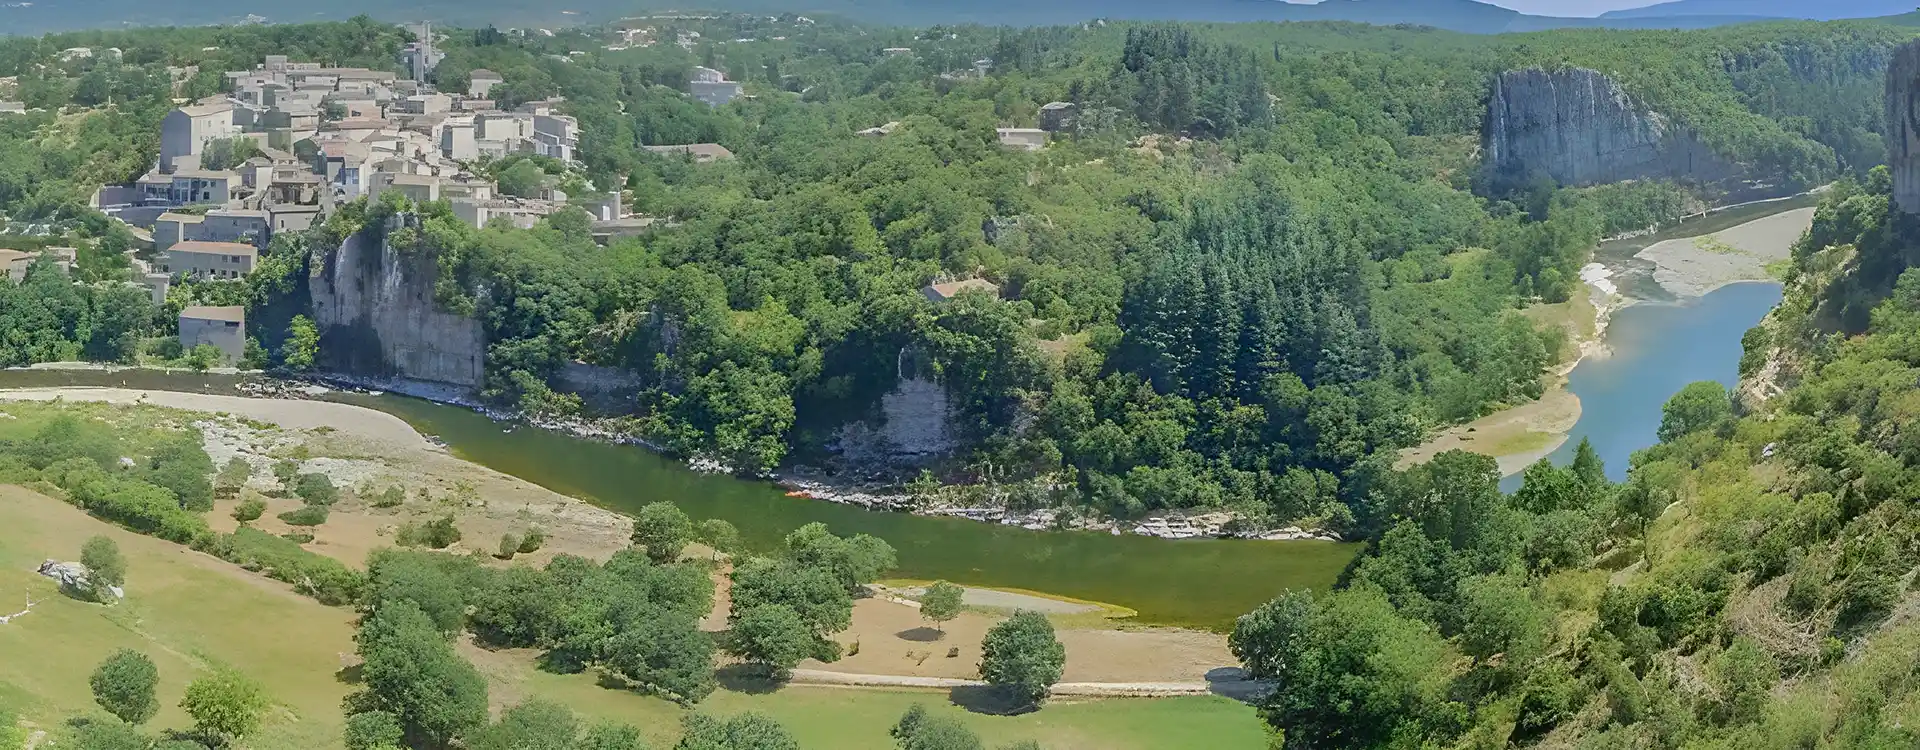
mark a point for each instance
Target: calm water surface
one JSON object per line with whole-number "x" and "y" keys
{"x": 1657, "y": 349}
{"x": 1199, "y": 582}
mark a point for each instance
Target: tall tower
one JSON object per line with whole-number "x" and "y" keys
{"x": 423, "y": 58}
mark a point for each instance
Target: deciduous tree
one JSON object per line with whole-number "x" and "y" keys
{"x": 1022, "y": 658}
{"x": 124, "y": 686}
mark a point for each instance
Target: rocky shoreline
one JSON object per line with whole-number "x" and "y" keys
{"x": 804, "y": 483}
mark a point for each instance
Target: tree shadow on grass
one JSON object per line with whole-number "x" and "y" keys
{"x": 920, "y": 635}
{"x": 984, "y": 699}
{"x": 747, "y": 678}
{"x": 1232, "y": 682}
{"x": 350, "y": 675}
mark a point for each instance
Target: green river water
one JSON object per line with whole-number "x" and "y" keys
{"x": 1192, "y": 582}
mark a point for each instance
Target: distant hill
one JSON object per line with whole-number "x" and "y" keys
{"x": 1818, "y": 10}
{"x": 1468, "y": 16}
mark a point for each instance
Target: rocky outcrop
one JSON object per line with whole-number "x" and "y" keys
{"x": 1903, "y": 126}
{"x": 1579, "y": 127}
{"x": 377, "y": 316}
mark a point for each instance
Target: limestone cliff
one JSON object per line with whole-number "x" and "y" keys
{"x": 1903, "y": 126}
{"x": 1580, "y": 128}
{"x": 377, "y": 316}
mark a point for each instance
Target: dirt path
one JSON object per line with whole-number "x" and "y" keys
{"x": 1233, "y": 686}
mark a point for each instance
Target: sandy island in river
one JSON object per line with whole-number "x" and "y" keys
{"x": 366, "y": 448}
{"x": 1688, "y": 268}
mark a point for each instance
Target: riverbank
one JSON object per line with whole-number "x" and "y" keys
{"x": 366, "y": 451}
{"x": 1755, "y": 251}
{"x": 1521, "y": 435}
{"x": 1686, "y": 267}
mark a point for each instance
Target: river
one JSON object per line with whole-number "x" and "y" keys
{"x": 1657, "y": 348}
{"x": 1194, "y": 582}
{"x": 1660, "y": 343}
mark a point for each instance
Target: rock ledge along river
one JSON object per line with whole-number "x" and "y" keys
{"x": 1202, "y": 583}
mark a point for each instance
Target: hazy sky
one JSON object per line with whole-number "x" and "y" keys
{"x": 1560, "y": 7}
{"x": 1570, "y": 7}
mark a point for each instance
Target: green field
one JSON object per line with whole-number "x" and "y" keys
{"x": 189, "y": 610}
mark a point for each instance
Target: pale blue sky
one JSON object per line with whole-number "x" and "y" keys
{"x": 1570, "y": 7}
{"x": 1559, "y": 7}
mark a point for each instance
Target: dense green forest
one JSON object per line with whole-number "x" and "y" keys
{"x": 1748, "y": 586}
{"x": 1253, "y": 269}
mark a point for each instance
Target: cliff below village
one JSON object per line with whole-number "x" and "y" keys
{"x": 377, "y": 316}
{"x": 1579, "y": 127}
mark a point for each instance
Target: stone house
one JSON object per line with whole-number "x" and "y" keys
{"x": 213, "y": 260}
{"x": 223, "y": 327}
{"x": 946, "y": 291}
{"x": 185, "y": 131}
{"x": 481, "y": 81}
{"x": 1026, "y": 139}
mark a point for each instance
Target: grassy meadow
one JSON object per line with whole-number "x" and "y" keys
{"x": 190, "y": 611}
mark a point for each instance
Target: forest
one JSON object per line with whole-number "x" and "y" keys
{"x": 1748, "y": 586}
{"x": 1254, "y": 268}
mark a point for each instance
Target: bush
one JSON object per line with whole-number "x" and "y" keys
{"x": 312, "y": 515}
{"x": 392, "y": 498}
{"x": 298, "y": 537}
{"x": 509, "y": 545}
{"x": 286, "y": 470}
{"x": 232, "y": 477}
{"x": 105, "y": 567}
{"x": 439, "y": 533}
{"x": 249, "y": 509}
{"x": 531, "y": 542}
{"x": 138, "y": 505}
{"x": 322, "y": 578}
{"x": 316, "y": 489}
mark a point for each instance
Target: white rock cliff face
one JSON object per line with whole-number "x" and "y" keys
{"x": 1580, "y": 128}
{"x": 376, "y": 315}
{"x": 1903, "y": 126}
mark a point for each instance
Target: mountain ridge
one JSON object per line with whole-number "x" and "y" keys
{"x": 1799, "y": 9}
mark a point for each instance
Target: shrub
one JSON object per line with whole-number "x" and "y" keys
{"x": 392, "y": 498}
{"x": 105, "y": 567}
{"x": 439, "y": 533}
{"x": 316, "y": 489}
{"x": 323, "y": 578}
{"x": 531, "y": 542}
{"x": 286, "y": 470}
{"x": 232, "y": 477}
{"x": 298, "y": 537}
{"x": 312, "y": 515}
{"x": 138, "y": 505}
{"x": 509, "y": 545}
{"x": 249, "y": 509}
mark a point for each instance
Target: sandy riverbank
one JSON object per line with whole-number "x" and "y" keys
{"x": 1693, "y": 266}
{"x": 1519, "y": 436}
{"x": 365, "y": 448}
{"x": 1686, "y": 267}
